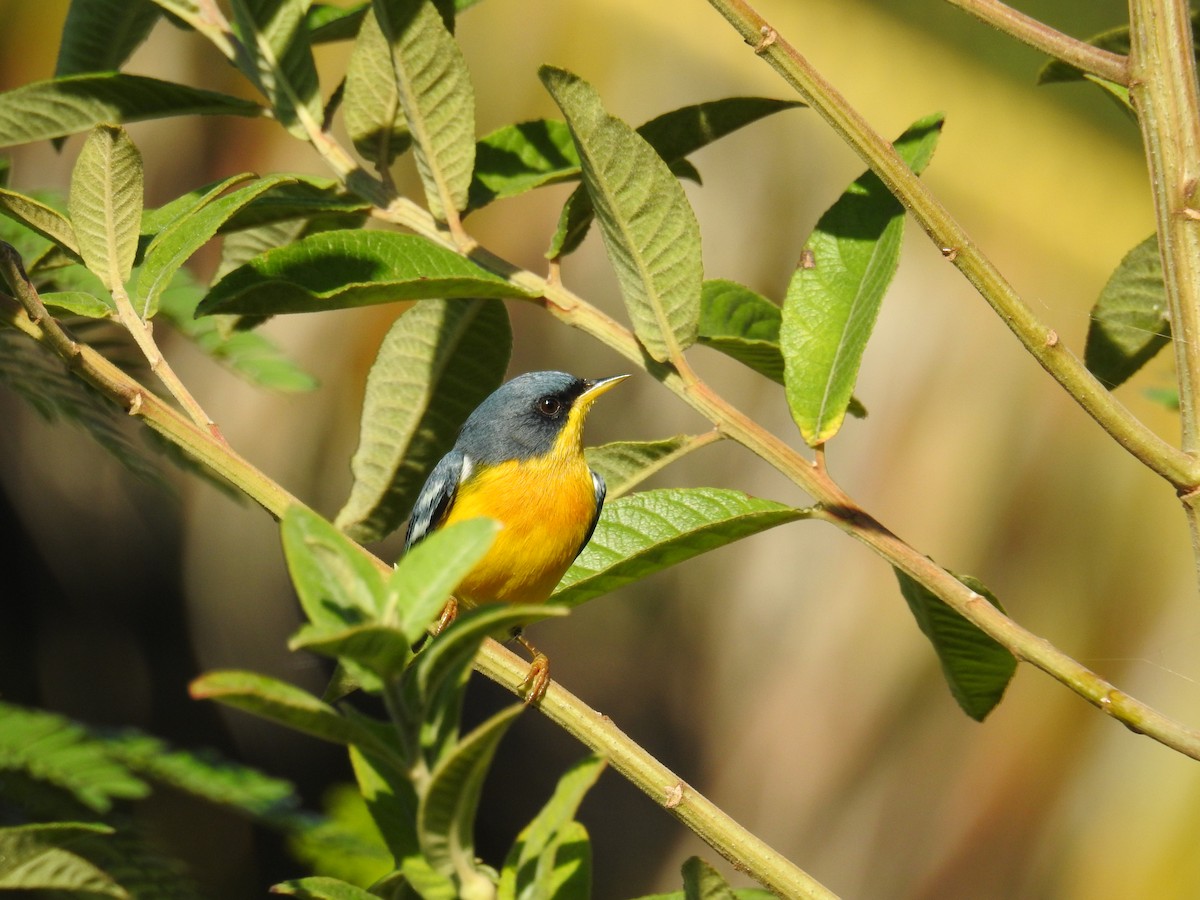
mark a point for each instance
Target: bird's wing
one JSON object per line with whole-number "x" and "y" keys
{"x": 433, "y": 503}
{"x": 601, "y": 489}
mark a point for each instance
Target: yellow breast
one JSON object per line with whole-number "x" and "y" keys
{"x": 545, "y": 506}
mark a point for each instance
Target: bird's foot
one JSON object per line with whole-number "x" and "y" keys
{"x": 449, "y": 614}
{"x": 534, "y": 686}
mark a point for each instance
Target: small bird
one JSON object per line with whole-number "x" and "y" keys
{"x": 519, "y": 460}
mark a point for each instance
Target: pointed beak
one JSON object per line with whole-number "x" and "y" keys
{"x": 594, "y": 389}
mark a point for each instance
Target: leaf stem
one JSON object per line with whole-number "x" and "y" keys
{"x": 143, "y": 336}
{"x": 1180, "y": 469}
{"x": 1037, "y": 34}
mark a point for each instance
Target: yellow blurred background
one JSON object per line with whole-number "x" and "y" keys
{"x": 782, "y": 676}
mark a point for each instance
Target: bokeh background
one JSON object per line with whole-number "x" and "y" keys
{"x": 782, "y": 676}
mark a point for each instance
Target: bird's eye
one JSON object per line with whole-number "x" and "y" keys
{"x": 549, "y": 407}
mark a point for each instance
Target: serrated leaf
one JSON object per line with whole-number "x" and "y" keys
{"x": 702, "y": 882}
{"x": 105, "y": 203}
{"x": 100, "y": 35}
{"x": 643, "y": 533}
{"x": 834, "y": 298}
{"x": 673, "y": 135}
{"x": 329, "y": 22}
{"x": 77, "y": 303}
{"x": 285, "y": 704}
{"x": 155, "y": 220}
{"x": 40, "y": 218}
{"x": 446, "y": 817}
{"x": 518, "y": 158}
{"x": 341, "y": 269}
{"x": 650, "y": 231}
{"x": 434, "y": 88}
{"x": 1129, "y": 323}
{"x": 55, "y": 750}
{"x": 178, "y": 241}
{"x": 977, "y": 668}
{"x": 371, "y": 103}
{"x": 742, "y": 324}
{"x": 336, "y": 581}
{"x": 32, "y": 858}
{"x": 275, "y": 54}
{"x": 429, "y": 572}
{"x": 545, "y": 860}
{"x": 438, "y": 362}
{"x": 391, "y": 801}
{"x": 319, "y": 887}
{"x": 626, "y": 464}
{"x": 382, "y": 649}
{"x": 310, "y": 198}
{"x": 64, "y": 106}
{"x": 246, "y": 353}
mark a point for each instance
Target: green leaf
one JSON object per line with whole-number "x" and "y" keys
{"x": 381, "y": 649}
{"x": 429, "y": 572}
{"x": 625, "y": 464}
{"x": 32, "y": 858}
{"x": 78, "y": 303}
{"x": 434, "y": 88}
{"x": 318, "y": 887}
{"x": 336, "y": 581}
{"x": 63, "y": 106}
{"x": 310, "y": 198}
{"x": 518, "y": 158}
{"x": 649, "y": 229}
{"x": 155, "y": 220}
{"x": 275, "y": 54}
{"x": 834, "y": 297}
{"x": 742, "y": 324}
{"x": 285, "y": 704}
{"x": 341, "y": 269}
{"x": 178, "y": 241}
{"x": 446, "y": 818}
{"x": 976, "y": 666}
{"x": 328, "y": 22}
{"x": 439, "y": 361}
{"x": 54, "y": 750}
{"x": 43, "y": 219}
{"x": 100, "y": 35}
{"x": 702, "y": 882}
{"x": 106, "y": 203}
{"x": 371, "y": 103}
{"x": 545, "y": 860}
{"x": 391, "y": 801}
{"x": 645, "y": 532}
{"x": 673, "y": 136}
{"x": 246, "y": 353}
{"x": 1129, "y": 323}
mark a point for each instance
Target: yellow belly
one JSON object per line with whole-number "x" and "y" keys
{"x": 545, "y": 507}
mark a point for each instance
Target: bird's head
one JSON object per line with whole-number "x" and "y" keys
{"x": 530, "y": 416}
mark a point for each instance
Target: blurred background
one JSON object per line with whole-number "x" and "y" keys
{"x": 782, "y": 676}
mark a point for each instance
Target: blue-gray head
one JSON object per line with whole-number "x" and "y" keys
{"x": 527, "y": 416}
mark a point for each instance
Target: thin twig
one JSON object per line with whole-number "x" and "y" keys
{"x": 1083, "y": 56}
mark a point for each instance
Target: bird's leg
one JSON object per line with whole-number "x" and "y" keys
{"x": 535, "y": 683}
{"x": 449, "y": 614}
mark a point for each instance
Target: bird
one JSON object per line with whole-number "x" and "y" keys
{"x": 519, "y": 459}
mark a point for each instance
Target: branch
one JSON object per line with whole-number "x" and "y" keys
{"x": 1178, "y": 468}
{"x": 1083, "y": 56}
{"x": 1162, "y": 89}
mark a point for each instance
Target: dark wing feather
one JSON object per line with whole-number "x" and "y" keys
{"x": 433, "y": 503}
{"x": 601, "y": 490}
